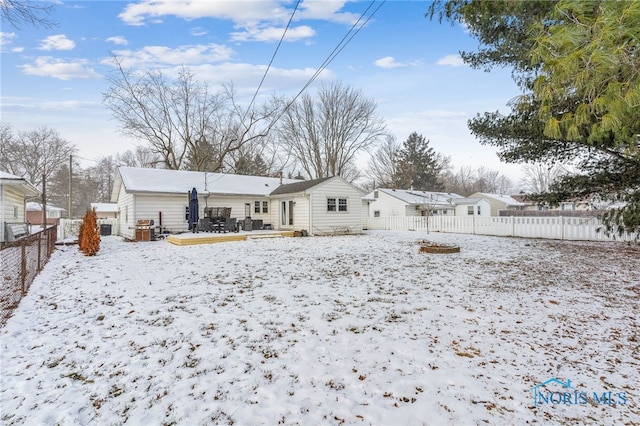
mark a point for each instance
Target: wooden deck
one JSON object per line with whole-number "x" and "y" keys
{"x": 189, "y": 238}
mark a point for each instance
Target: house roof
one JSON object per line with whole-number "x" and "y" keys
{"x": 142, "y": 180}
{"x": 422, "y": 197}
{"x": 506, "y": 199}
{"x": 105, "y": 207}
{"x": 466, "y": 200}
{"x": 20, "y": 183}
{"x": 32, "y": 206}
{"x": 299, "y": 186}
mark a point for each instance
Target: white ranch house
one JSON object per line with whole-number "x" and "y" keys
{"x": 400, "y": 202}
{"x": 14, "y": 191}
{"x": 320, "y": 206}
{"x": 386, "y": 202}
{"x": 500, "y": 202}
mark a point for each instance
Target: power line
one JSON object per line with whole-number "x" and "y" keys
{"x": 339, "y": 47}
{"x": 272, "y": 58}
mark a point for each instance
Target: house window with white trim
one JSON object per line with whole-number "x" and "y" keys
{"x": 376, "y": 213}
{"x": 478, "y": 210}
{"x": 265, "y": 207}
{"x": 470, "y": 210}
{"x": 256, "y": 207}
{"x": 331, "y": 204}
{"x": 342, "y": 204}
{"x": 186, "y": 213}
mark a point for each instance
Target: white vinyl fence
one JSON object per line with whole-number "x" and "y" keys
{"x": 68, "y": 228}
{"x": 557, "y": 228}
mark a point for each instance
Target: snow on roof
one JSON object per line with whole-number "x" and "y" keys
{"x": 5, "y": 175}
{"x": 32, "y": 206}
{"x": 137, "y": 179}
{"x": 466, "y": 201}
{"x": 24, "y": 185}
{"x": 507, "y": 199}
{"x": 421, "y": 197}
{"x": 105, "y": 207}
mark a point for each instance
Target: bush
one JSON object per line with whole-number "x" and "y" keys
{"x": 89, "y": 235}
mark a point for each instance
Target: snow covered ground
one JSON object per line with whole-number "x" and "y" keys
{"x": 327, "y": 330}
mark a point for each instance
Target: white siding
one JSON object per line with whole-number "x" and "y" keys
{"x": 126, "y": 217}
{"x": 389, "y": 206}
{"x": 326, "y": 222}
{"x": 485, "y": 209}
{"x": 13, "y": 208}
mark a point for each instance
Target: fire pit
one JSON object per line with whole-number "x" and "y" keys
{"x": 438, "y": 248}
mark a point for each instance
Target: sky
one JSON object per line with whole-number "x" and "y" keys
{"x": 353, "y": 330}
{"x": 409, "y": 65}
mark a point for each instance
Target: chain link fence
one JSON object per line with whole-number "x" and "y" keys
{"x": 21, "y": 261}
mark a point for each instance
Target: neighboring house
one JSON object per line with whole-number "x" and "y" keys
{"x": 105, "y": 210}
{"x": 14, "y": 192}
{"x": 320, "y": 206}
{"x": 472, "y": 207}
{"x": 163, "y": 196}
{"x": 500, "y": 202}
{"x": 34, "y": 214}
{"x": 400, "y": 202}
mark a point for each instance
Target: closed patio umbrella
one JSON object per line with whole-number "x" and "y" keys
{"x": 193, "y": 210}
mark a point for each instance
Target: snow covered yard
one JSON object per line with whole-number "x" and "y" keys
{"x": 327, "y": 330}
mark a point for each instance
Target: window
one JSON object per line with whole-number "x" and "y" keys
{"x": 376, "y": 213}
{"x": 470, "y": 210}
{"x": 342, "y": 204}
{"x": 478, "y": 210}
{"x": 265, "y": 207}
{"x": 15, "y": 212}
{"x": 186, "y": 213}
{"x": 256, "y": 207}
{"x": 331, "y": 204}
{"x": 375, "y": 194}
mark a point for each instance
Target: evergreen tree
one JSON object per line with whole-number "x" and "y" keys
{"x": 419, "y": 167}
{"x": 577, "y": 63}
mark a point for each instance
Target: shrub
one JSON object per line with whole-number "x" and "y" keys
{"x": 89, "y": 238}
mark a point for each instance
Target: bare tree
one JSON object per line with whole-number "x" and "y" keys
{"x": 537, "y": 177}
{"x": 19, "y": 12}
{"x": 35, "y": 153}
{"x": 384, "y": 162}
{"x": 324, "y": 134}
{"x": 183, "y": 122}
{"x": 466, "y": 180}
{"x": 141, "y": 156}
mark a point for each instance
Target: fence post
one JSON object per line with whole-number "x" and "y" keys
{"x": 23, "y": 265}
{"x": 39, "y": 268}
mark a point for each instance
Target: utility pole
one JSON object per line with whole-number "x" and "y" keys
{"x": 70, "y": 174}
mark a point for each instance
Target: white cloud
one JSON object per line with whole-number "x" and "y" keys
{"x": 46, "y": 66}
{"x": 198, "y": 31}
{"x": 389, "y": 62}
{"x": 119, "y": 40}
{"x": 139, "y": 13}
{"x": 57, "y": 42}
{"x": 163, "y": 55}
{"x": 451, "y": 60}
{"x": 6, "y": 38}
{"x": 269, "y": 34}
